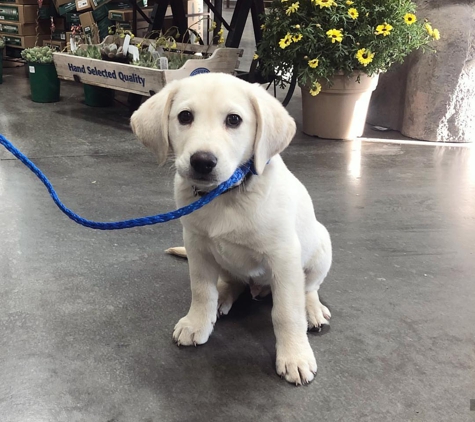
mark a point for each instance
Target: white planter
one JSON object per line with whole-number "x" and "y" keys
{"x": 339, "y": 111}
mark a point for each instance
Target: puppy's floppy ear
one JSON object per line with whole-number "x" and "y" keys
{"x": 150, "y": 121}
{"x": 275, "y": 127}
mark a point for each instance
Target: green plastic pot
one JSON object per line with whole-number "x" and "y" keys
{"x": 96, "y": 96}
{"x": 44, "y": 82}
{"x": 1, "y": 65}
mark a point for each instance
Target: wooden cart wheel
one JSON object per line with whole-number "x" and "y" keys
{"x": 283, "y": 95}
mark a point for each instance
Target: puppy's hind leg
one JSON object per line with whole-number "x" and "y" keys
{"x": 229, "y": 290}
{"x": 317, "y": 313}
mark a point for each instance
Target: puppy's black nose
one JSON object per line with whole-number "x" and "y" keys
{"x": 203, "y": 162}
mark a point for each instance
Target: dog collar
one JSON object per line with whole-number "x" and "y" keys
{"x": 248, "y": 167}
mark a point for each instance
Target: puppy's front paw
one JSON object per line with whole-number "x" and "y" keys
{"x": 190, "y": 331}
{"x": 297, "y": 366}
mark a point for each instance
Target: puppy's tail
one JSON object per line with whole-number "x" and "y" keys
{"x": 177, "y": 251}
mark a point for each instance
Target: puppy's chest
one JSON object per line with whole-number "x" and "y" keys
{"x": 228, "y": 223}
{"x": 238, "y": 259}
{"x": 233, "y": 240}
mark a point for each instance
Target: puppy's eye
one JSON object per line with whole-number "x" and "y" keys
{"x": 185, "y": 117}
{"x": 233, "y": 120}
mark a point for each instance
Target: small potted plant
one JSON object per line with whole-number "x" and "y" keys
{"x": 44, "y": 82}
{"x": 112, "y": 45}
{"x": 94, "y": 96}
{"x": 335, "y": 50}
{"x": 2, "y": 45}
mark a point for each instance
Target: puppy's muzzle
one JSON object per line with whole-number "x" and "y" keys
{"x": 203, "y": 163}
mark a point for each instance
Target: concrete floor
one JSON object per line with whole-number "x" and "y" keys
{"x": 86, "y": 316}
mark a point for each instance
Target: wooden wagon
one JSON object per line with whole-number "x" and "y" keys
{"x": 142, "y": 80}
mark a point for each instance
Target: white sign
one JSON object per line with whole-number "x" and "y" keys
{"x": 72, "y": 42}
{"x": 163, "y": 63}
{"x": 126, "y": 44}
{"x": 134, "y": 51}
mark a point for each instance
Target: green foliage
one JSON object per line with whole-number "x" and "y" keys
{"x": 147, "y": 59}
{"x": 175, "y": 60}
{"x": 2, "y": 42}
{"x": 295, "y": 34}
{"x": 167, "y": 46}
{"x": 88, "y": 50}
{"x": 38, "y": 55}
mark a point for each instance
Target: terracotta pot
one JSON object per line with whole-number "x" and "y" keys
{"x": 339, "y": 111}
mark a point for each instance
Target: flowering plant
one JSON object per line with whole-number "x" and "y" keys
{"x": 317, "y": 39}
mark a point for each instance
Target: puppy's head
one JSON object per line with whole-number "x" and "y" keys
{"x": 213, "y": 123}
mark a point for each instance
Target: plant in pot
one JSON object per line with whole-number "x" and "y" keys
{"x": 94, "y": 96}
{"x": 163, "y": 51}
{"x": 44, "y": 81}
{"x": 335, "y": 50}
{"x": 112, "y": 45}
{"x": 2, "y": 45}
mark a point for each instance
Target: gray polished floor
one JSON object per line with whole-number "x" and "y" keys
{"x": 86, "y": 316}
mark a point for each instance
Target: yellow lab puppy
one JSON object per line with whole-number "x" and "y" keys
{"x": 262, "y": 233}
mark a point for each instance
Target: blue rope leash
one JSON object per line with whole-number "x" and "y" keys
{"x": 238, "y": 175}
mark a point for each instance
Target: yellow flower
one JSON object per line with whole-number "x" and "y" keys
{"x": 335, "y": 35}
{"x": 285, "y": 42}
{"x": 324, "y": 3}
{"x": 255, "y": 57}
{"x": 313, "y": 63}
{"x": 349, "y": 2}
{"x": 353, "y": 13}
{"x": 297, "y": 26}
{"x": 436, "y": 34}
{"x": 384, "y": 29}
{"x": 297, "y": 37}
{"x": 213, "y": 25}
{"x": 221, "y": 32}
{"x": 292, "y": 8}
{"x": 315, "y": 89}
{"x": 410, "y": 18}
{"x": 221, "y": 40}
{"x": 429, "y": 29}
{"x": 364, "y": 56}
{"x": 263, "y": 27}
